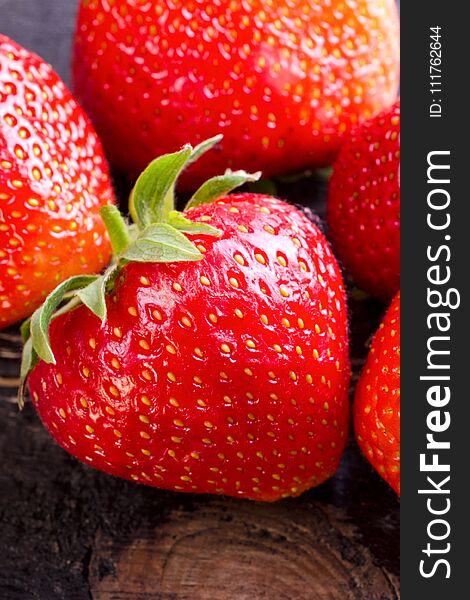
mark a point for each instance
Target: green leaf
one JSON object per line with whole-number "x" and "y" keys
{"x": 29, "y": 357}
{"x": 116, "y": 227}
{"x": 219, "y": 186}
{"x": 67, "y": 307}
{"x": 152, "y": 197}
{"x": 162, "y": 243}
{"x": 29, "y": 360}
{"x": 204, "y": 147}
{"x": 25, "y": 330}
{"x": 181, "y": 223}
{"x": 134, "y": 232}
{"x": 94, "y": 295}
{"x": 22, "y": 392}
{"x": 41, "y": 318}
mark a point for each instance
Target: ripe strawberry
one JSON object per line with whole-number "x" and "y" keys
{"x": 284, "y": 80}
{"x": 364, "y": 204}
{"x": 53, "y": 180}
{"x": 377, "y": 400}
{"x": 223, "y": 368}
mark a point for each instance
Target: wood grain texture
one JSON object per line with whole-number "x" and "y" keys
{"x": 72, "y": 542}
{"x": 226, "y": 550}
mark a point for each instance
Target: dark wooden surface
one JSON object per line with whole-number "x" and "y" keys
{"x": 68, "y": 532}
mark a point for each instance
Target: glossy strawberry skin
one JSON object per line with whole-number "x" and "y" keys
{"x": 364, "y": 205}
{"x": 377, "y": 400}
{"x": 282, "y": 81}
{"x": 53, "y": 180}
{"x": 228, "y": 376}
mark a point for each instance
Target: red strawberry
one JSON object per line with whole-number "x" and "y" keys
{"x": 222, "y": 369}
{"x": 364, "y": 204}
{"x": 53, "y": 180}
{"x": 377, "y": 400}
{"x": 283, "y": 80}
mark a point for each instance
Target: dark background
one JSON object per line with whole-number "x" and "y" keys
{"x": 44, "y": 26}
{"x": 69, "y": 532}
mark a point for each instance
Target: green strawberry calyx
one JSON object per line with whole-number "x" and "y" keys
{"x": 156, "y": 235}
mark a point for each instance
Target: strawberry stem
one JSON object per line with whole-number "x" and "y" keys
{"x": 158, "y": 236}
{"x": 117, "y": 228}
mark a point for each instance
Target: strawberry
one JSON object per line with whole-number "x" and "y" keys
{"x": 211, "y": 357}
{"x": 364, "y": 204}
{"x": 377, "y": 400}
{"x": 53, "y": 181}
{"x": 284, "y": 80}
